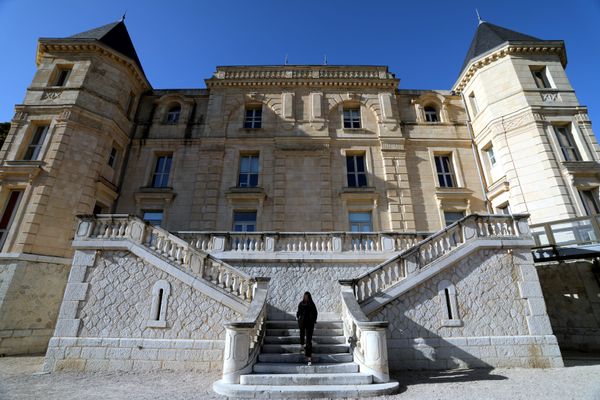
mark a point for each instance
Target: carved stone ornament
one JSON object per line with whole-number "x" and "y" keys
{"x": 51, "y": 94}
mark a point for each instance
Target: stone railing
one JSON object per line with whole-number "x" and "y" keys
{"x": 301, "y": 242}
{"x": 367, "y": 338}
{"x": 303, "y": 72}
{"x": 243, "y": 339}
{"x": 411, "y": 261}
{"x": 162, "y": 243}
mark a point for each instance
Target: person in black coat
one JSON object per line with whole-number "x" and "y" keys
{"x": 307, "y": 318}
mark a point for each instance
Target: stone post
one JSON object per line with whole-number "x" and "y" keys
{"x": 237, "y": 351}
{"x": 374, "y": 344}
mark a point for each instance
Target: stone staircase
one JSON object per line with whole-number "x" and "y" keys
{"x": 282, "y": 370}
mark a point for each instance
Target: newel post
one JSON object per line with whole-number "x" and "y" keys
{"x": 374, "y": 344}
{"x": 237, "y": 352}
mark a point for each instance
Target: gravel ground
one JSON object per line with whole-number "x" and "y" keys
{"x": 580, "y": 380}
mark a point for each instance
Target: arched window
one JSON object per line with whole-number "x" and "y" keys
{"x": 158, "y": 309}
{"x": 431, "y": 114}
{"x": 173, "y": 114}
{"x": 448, "y": 304}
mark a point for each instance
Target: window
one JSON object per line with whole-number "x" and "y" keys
{"x": 491, "y": 156}
{"x": 352, "y": 118}
{"x": 567, "y": 143}
{"x": 431, "y": 114}
{"x": 360, "y": 222}
{"x": 451, "y": 217}
{"x": 8, "y": 214}
{"x": 112, "y": 158}
{"x": 158, "y": 309}
{"x": 130, "y": 103}
{"x": 355, "y": 168}
{"x": 590, "y": 202}
{"x": 35, "y": 145}
{"x": 253, "y": 117}
{"x": 473, "y": 102}
{"x": 160, "y": 178}
{"x": 445, "y": 173}
{"x": 248, "y": 176}
{"x": 153, "y": 217}
{"x": 62, "y": 75}
{"x": 540, "y": 76}
{"x": 503, "y": 209}
{"x": 244, "y": 221}
{"x": 173, "y": 114}
{"x": 448, "y": 304}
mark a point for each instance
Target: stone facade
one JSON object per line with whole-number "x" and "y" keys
{"x": 572, "y": 293}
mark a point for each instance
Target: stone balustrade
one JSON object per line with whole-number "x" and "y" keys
{"x": 367, "y": 338}
{"x": 410, "y": 261}
{"x": 248, "y": 244}
{"x": 243, "y": 339}
{"x": 180, "y": 253}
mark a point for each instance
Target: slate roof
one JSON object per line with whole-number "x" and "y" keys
{"x": 113, "y": 35}
{"x": 489, "y": 36}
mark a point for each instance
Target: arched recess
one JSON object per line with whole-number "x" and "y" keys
{"x": 434, "y": 100}
{"x": 166, "y": 102}
{"x": 158, "y": 307}
{"x": 371, "y": 115}
{"x": 448, "y": 304}
{"x": 235, "y": 106}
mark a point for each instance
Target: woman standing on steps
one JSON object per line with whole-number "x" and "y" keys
{"x": 307, "y": 317}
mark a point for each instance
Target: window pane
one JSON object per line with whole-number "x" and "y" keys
{"x": 360, "y": 163}
{"x": 352, "y": 180}
{"x": 253, "y": 180}
{"x": 360, "y": 217}
{"x": 153, "y": 217}
{"x": 453, "y": 216}
{"x": 362, "y": 180}
{"x": 245, "y": 164}
{"x": 350, "y": 163}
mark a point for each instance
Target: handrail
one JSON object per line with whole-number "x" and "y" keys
{"x": 367, "y": 338}
{"x": 244, "y": 338}
{"x": 166, "y": 245}
{"x": 567, "y": 232}
{"x": 408, "y": 262}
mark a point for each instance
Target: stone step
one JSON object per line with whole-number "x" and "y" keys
{"x": 284, "y": 324}
{"x": 355, "y": 378}
{"x": 308, "y": 391}
{"x": 296, "y": 348}
{"x": 299, "y": 358}
{"x": 296, "y": 340}
{"x": 296, "y": 332}
{"x": 298, "y": 368}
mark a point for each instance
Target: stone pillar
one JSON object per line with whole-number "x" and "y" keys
{"x": 374, "y": 344}
{"x": 237, "y": 350}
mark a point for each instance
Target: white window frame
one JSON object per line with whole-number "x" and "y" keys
{"x": 565, "y": 148}
{"x": 432, "y": 112}
{"x": 360, "y": 225}
{"x": 245, "y": 183}
{"x": 155, "y": 173}
{"x": 354, "y": 117}
{"x": 585, "y": 202}
{"x": 356, "y": 173}
{"x": 451, "y": 173}
{"x": 245, "y": 224}
{"x": 37, "y": 147}
{"x": 253, "y": 117}
{"x": 174, "y": 114}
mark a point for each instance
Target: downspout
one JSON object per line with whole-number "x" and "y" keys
{"x": 476, "y": 155}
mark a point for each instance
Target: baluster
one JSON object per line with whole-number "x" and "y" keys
{"x": 249, "y": 291}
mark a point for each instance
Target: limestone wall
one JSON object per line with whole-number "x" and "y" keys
{"x": 289, "y": 281}
{"x": 106, "y": 319}
{"x": 572, "y": 293}
{"x": 498, "y": 321}
{"x": 30, "y": 296}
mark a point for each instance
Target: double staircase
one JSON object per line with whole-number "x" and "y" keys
{"x": 282, "y": 370}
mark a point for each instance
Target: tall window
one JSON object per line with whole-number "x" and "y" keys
{"x": 130, "y": 103}
{"x": 35, "y": 145}
{"x": 473, "y": 102}
{"x": 352, "y": 118}
{"x": 355, "y": 166}
{"x": 567, "y": 143}
{"x": 445, "y": 173}
{"x": 590, "y": 202}
{"x": 451, "y": 217}
{"x": 8, "y": 214}
{"x": 503, "y": 209}
{"x": 153, "y": 217}
{"x": 112, "y": 158}
{"x": 491, "y": 155}
{"x": 540, "y": 76}
{"x": 162, "y": 169}
{"x": 62, "y": 76}
{"x": 360, "y": 221}
{"x": 244, "y": 221}
{"x": 431, "y": 114}
{"x": 248, "y": 171}
{"x": 174, "y": 114}
{"x": 253, "y": 117}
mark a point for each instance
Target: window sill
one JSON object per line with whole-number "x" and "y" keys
{"x": 155, "y": 197}
{"x": 358, "y": 189}
{"x": 354, "y": 130}
{"x": 20, "y": 169}
{"x": 242, "y": 194}
{"x": 452, "y": 323}
{"x": 156, "y": 324}
{"x": 250, "y": 129}
{"x": 453, "y": 193}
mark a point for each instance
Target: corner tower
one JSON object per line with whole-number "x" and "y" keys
{"x": 62, "y": 157}
{"x": 537, "y": 150}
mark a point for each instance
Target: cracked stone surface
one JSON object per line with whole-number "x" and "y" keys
{"x": 488, "y": 299}
{"x": 119, "y": 299}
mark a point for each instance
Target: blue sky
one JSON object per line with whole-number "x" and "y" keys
{"x": 181, "y": 42}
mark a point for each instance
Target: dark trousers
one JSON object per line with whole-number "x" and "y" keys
{"x": 306, "y": 334}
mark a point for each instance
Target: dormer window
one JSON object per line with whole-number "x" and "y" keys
{"x": 253, "y": 117}
{"x": 431, "y": 114}
{"x": 351, "y": 117}
{"x": 174, "y": 114}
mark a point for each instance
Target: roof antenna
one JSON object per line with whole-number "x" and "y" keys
{"x": 285, "y": 62}
{"x": 478, "y": 16}
{"x": 123, "y": 17}
{"x": 325, "y": 59}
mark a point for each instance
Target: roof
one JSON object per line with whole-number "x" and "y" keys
{"x": 113, "y": 35}
{"x": 489, "y": 36}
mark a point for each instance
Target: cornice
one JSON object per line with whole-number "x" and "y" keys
{"x": 549, "y": 47}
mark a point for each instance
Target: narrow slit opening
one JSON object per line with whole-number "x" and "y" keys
{"x": 448, "y": 307}
{"x": 160, "y": 297}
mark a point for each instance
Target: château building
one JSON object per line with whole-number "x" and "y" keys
{"x": 149, "y": 228}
